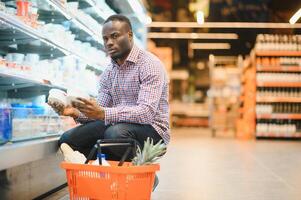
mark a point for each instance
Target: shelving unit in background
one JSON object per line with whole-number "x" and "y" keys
{"x": 271, "y": 94}
{"x": 280, "y": 97}
{"x": 224, "y": 94}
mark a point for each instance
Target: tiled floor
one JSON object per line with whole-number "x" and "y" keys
{"x": 198, "y": 167}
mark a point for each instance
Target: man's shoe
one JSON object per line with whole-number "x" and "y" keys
{"x": 156, "y": 182}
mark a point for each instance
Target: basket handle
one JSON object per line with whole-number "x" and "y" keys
{"x": 130, "y": 143}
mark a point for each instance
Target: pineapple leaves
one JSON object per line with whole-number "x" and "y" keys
{"x": 150, "y": 152}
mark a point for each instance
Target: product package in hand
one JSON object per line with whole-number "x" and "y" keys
{"x": 60, "y": 97}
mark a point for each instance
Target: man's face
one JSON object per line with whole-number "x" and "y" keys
{"x": 117, "y": 39}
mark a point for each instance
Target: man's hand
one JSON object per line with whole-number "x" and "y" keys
{"x": 89, "y": 108}
{"x": 64, "y": 110}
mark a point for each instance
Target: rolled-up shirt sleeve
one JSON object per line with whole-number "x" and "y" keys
{"x": 152, "y": 81}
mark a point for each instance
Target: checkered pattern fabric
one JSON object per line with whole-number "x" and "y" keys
{"x": 136, "y": 92}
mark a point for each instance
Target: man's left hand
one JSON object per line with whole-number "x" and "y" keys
{"x": 89, "y": 108}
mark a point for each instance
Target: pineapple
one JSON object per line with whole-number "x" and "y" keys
{"x": 150, "y": 153}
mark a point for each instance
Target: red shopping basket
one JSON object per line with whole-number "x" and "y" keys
{"x": 126, "y": 182}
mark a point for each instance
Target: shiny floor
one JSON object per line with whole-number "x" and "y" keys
{"x": 198, "y": 167}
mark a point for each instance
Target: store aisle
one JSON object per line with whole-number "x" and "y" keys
{"x": 198, "y": 167}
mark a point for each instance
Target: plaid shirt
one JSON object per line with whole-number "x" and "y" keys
{"x": 135, "y": 92}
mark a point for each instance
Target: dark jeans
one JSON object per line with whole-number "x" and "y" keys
{"x": 83, "y": 137}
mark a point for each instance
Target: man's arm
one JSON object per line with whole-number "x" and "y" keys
{"x": 152, "y": 82}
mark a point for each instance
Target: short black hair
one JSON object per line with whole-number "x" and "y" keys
{"x": 120, "y": 18}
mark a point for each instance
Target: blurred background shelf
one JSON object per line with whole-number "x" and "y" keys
{"x": 278, "y": 99}
{"x": 279, "y": 116}
{"x": 278, "y": 84}
{"x": 279, "y": 69}
{"x": 276, "y": 135}
{"x": 277, "y": 53}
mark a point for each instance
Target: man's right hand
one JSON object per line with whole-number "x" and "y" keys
{"x": 64, "y": 110}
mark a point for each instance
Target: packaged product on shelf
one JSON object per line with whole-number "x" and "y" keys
{"x": 5, "y": 123}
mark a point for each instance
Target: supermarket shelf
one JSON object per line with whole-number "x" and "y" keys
{"x": 33, "y": 33}
{"x": 274, "y": 135}
{"x": 278, "y": 99}
{"x": 96, "y": 10}
{"x": 279, "y": 69}
{"x": 277, "y": 53}
{"x": 278, "y": 84}
{"x": 24, "y": 152}
{"x": 10, "y": 81}
{"x": 279, "y": 116}
{"x": 62, "y": 9}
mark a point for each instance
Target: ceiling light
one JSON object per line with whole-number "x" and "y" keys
{"x": 210, "y": 46}
{"x": 222, "y": 25}
{"x": 200, "y": 17}
{"x": 222, "y": 36}
{"x": 295, "y": 17}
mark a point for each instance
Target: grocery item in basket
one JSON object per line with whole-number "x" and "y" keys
{"x": 104, "y": 162}
{"x": 72, "y": 156}
{"x": 150, "y": 153}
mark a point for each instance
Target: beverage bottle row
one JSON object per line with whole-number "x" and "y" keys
{"x": 279, "y": 92}
{"x": 278, "y": 61}
{"x": 269, "y": 108}
{"x": 278, "y": 77}
{"x": 278, "y": 42}
{"x": 278, "y": 126}
{"x": 283, "y": 129}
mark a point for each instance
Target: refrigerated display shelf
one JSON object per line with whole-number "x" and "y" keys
{"x": 18, "y": 153}
{"x": 16, "y": 23}
{"x": 9, "y": 81}
{"x": 279, "y": 116}
{"x": 277, "y": 53}
{"x": 279, "y": 69}
{"x": 97, "y": 12}
{"x": 77, "y": 21}
{"x": 33, "y": 33}
{"x": 278, "y": 99}
{"x": 51, "y": 16}
{"x": 278, "y": 84}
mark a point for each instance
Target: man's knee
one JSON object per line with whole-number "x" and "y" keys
{"x": 116, "y": 132}
{"x": 65, "y": 138}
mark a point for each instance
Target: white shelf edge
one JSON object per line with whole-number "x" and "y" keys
{"x": 27, "y": 79}
{"x": 24, "y": 152}
{"x": 75, "y": 19}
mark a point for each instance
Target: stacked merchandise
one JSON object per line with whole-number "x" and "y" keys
{"x": 277, "y": 63}
{"x": 224, "y": 95}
